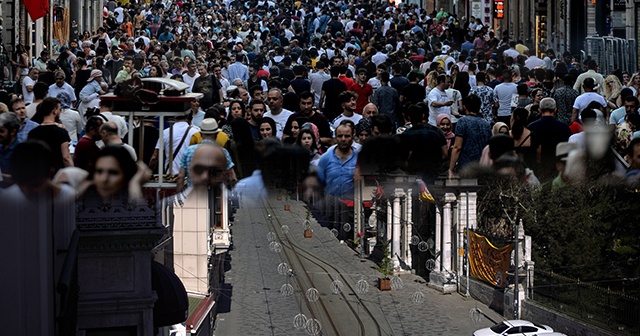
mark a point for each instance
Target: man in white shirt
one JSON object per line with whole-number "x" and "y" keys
{"x": 504, "y": 95}
{"x": 61, "y": 86}
{"x": 512, "y": 52}
{"x": 277, "y": 113}
{"x": 438, "y": 100}
{"x": 349, "y": 102}
{"x": 585, "y": 99}
{"x": 190, "y": 76}
{"x": 181, "y": 130}
{"x": 378, "y": 57}
{"x": 27, "y": 85}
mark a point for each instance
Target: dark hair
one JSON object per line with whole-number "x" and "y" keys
{"x": 345, "y": 96}
{"x": 523, "y": 89}
{"x": 383, "y": 122}
{"x": 31, "y": 160}
{"x": 122, "y": 155}
{"x": 334, "y": 71}
{"x": 242, "y": 107}
{"x": 307, "y": 95}
{"x": 271, "y": 123}
{"x": 40, "y": 90}
{"x": 45, "y": 108}
{"x": 472, "y": 103}
{"x": 500, "y": 144}
{"x": 255, "y": 102}
{"x": 305, "y": 130}
{"x": 462, "y": 84}
{"x": 93, "y": 123}
{"x": 520, "y": 117}
{"x": 632, "y": 144}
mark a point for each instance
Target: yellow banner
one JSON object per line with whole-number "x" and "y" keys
{"x": 487, "y": 262}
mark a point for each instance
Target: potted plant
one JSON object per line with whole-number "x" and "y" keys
{"x": 386, "y": 268}
{"x": 308, "y": 233}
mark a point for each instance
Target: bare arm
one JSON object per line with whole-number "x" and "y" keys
{"x": 455, "y": 154}
{"x": 180, "y": 180}
{"x": 574, "y": 114}
{"x": 66, "y": 155}
{"x": 321, "y": 102}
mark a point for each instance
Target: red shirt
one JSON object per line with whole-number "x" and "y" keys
{"x": 346, "y": 80}
{"x": 364, "y": 92}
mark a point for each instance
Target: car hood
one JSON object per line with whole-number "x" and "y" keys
{"x": 484, "y": 332}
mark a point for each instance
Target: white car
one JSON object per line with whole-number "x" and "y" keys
{"x": 515, "y": 327}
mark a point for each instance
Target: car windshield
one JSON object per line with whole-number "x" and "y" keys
{"x": 541, "y": 327}
{"x": 499, "y": 328}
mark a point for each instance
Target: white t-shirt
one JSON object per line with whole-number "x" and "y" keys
{"x": 504, "y": 93}
{"x": 189, "y": 80}
{"x": 280, "y": 119}
{"x": 435, "y": 95}
{"x": 583, "y": 100}
{"x": 28, "y": 96}
{"x": 178, "y": 132}
{"x": 355, "y": 118}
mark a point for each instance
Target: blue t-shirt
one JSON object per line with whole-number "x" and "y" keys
{"x": 475, "y": 132}
{"x": 337, "y": 176}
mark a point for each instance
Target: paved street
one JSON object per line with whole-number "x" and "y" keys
{"x": 251, "y": 302}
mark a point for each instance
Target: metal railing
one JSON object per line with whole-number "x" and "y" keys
{"x": 603, "y": 307}
{"x": 611, "y": 53}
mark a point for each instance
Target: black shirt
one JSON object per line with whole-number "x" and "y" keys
{"x": 54, "y": 136}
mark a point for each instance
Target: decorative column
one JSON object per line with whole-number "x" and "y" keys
{"x": 441, "y": 278}
{"x": 397, "y": 225}
{"x": 449, "y": 198}
{"x": 409, "y": 228}
{"x": 438, "y": 240}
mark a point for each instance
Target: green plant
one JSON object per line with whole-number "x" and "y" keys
{"x": 386, "y": 265}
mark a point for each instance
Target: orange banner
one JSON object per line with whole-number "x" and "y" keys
{"x": 487, "y": 262}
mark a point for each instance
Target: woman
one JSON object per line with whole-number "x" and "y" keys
{"x": 80, "y": 75}
{"x": 634, "y": 84}
{"x": 237, "y": 109}
{"x": 497, "y": 129}
{"x": 293, "y": 129}
{"x": 51, "y": 133}
{"x": 20, "y": 62}
{"x": 267, "y": 128}
{"x": 90, "y": 95}
{"x": 612, "y": 88}
{"x": 115, "y": 176}
{"x": 99, "y": 65}
{"x": 536, "y": 96}
{"x": 522, "y": 136}
{"x": 307, "y": 140}
{"x": 443, "y": 121}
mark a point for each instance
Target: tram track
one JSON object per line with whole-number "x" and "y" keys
{"x": 299, "y": 258}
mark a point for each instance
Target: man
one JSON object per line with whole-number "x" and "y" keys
{"x": 533, "y": 61}
{"x": 378, "y": 57}
{"x": 413, "y": 93}
{"x": 41, "y": 62}
{"x": 61, "y": 86}
{"x": 348, "y": 101}
{"x": 166, "y": 36}
{"x": 592, "y": 72}
{"x": 9, "y": 127}
{"x": 196, "y": 113}
{"x": 438, "y": 99}
{"x": 276, "y": 112}
{"x": 329, "y": 94}
{"x": 511, "y": 52}
{"x": 182, "y": 131}
{"x": 224, "y": 83}
{"x": 87, "y": 150}
{"x": 299, "y": 83}
{"x": 546, "y": 133}
{"x": 387, "y": 98}
{"x": 316, "y": 79}
{"x": 208, "y": 86}
{"x": 565, "y": 96}
{"x": 504, "y": 95}
{"x": 109, "y": 134}
{"x": 209, "y": 132}
{"x": 426, "y": 144}
{"x": 40, "y": 90}
{"x": 27, "y": 85}
{"x": 336, "y": 166}
{"x": 633, "y": 154}
{"x": 399, "y": 81}
{"x": 191, "y": 75}
{"x": 254, "y": 79}
{"x": 17, "y": 105}
{"x": 116, "y": 62}
{"x": 487, "y": 96}
{"x": 631, "y": 105}
{"x": 472, "y": 135}
{"x": 318, "y": 119}
{"x": 237, "y": 69}
{"x": 585, "y": 99}
{"x": 369, "y": 110}
{"x": 363, "y": 90}
{"x": 257, "y": 109}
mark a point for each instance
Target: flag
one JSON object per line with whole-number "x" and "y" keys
{"x": 379, "y": 192}
{"x": 37, "y": 8}
{"x": 425, "y": 195}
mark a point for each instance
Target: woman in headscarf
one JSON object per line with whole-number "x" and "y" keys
{"x": 70, "y": 118}
{"x": 443, "y": 121}
{"x": 90, "y": 94}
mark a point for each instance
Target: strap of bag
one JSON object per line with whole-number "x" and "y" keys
{"x": 184, "y": 137}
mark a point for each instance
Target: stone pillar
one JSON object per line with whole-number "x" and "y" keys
{"x": 397, "y": 225}
{"x": 389, "y": 223}
{"x": 409, "y": 228}
{"x": 438, "y": 240}
{"x": 449, "y": 198}
{"x": 442, "y": 278}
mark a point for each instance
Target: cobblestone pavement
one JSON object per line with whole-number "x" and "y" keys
{"x": 251, "y": 302}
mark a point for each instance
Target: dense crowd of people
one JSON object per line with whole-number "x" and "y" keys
{"x": 328, "y": 77}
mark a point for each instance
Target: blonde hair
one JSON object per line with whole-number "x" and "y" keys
{"x": 613, "y": 91}
{"x": 3, "y": 108}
